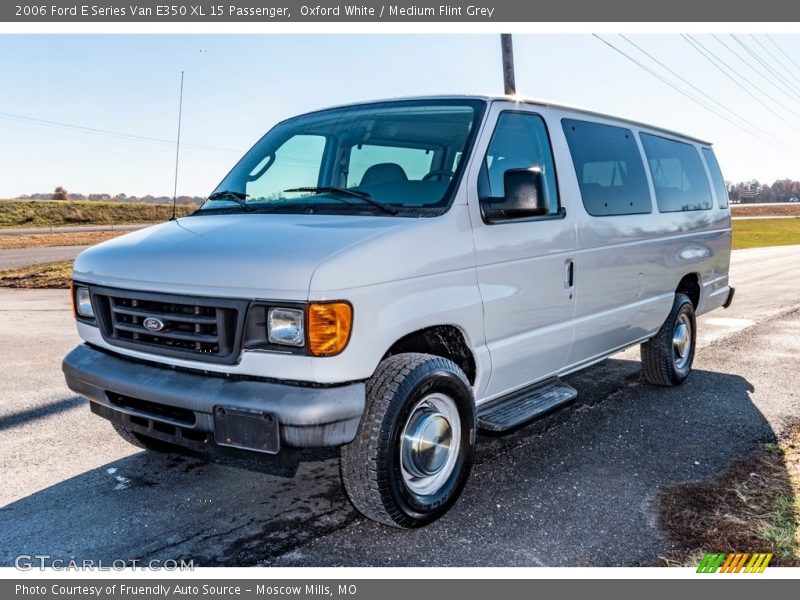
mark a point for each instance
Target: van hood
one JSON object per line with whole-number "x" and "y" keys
{"x": 240, "y": 255}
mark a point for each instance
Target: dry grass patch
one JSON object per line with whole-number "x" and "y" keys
{"x": 780, "y": 210}
{"x": 41, "y": 240}
{"x": 49, "y": 275}
{"x": 754, "y": 506}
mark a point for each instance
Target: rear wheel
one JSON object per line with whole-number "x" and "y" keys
{"x": 667, "y": 357}
{"x": 143, "y": 441}
{"x": 413, "y": 452}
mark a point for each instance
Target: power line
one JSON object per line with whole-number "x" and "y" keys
{"x": 773, "y": 142}
{"x": 789, "y": 85}
{"x": 106, "y": 132}
{"x": 697, "y": 89}
{"x": 773, "y": 57}
{"x": 707, "y": 54}
{"x": 760, "y": 72}
{"x": 729, "y": 72}
{"x": 774, "y": 43}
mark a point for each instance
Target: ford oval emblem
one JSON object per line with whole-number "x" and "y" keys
{"x": 153, "y": 324}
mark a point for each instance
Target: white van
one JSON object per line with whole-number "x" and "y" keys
{"x": 389, "y": 277}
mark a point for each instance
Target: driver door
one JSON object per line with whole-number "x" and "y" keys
{"x": 525, "y": 267}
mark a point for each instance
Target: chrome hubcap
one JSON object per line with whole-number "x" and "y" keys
{"x": 429, "y": 444}
{"x": 682, "y": 341}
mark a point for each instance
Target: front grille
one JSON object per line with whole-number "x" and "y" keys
{"x": 201, "y": 328}
{"x": 186, "y": 326}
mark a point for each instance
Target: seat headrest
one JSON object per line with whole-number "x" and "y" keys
{"x": 383, "y": 173}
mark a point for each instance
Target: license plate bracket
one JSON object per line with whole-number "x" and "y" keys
{"x": 246, "y": 429}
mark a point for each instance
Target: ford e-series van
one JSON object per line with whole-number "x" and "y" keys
{"x": 390, "y": 277}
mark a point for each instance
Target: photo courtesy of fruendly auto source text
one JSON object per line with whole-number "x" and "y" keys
{"x": 371, "y": 300}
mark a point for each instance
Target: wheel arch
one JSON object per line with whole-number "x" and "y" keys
{"x": 690, "y": 284}
{"x": 447, "y": 341}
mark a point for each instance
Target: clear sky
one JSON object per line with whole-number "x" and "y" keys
{"x": 238, "y": 86}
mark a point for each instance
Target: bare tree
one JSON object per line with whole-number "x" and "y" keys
{"x": 60, "y": 194}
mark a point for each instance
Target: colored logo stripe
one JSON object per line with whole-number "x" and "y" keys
{"x": 734, "y": 563}
{"x": 758, "y": 563}
{"x": 711, "y": 562}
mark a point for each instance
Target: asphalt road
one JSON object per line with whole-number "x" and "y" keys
{"x": 24, "y": 257}
{"x": 574, "y": 488}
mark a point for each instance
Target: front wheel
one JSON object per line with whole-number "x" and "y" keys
{"x": 667, "y": 357}
{"x": 413, "y": 451}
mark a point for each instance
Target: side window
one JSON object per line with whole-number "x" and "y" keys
{"x": 519, "y": 141}
{"x": 299, "y": 159}
{"x": 609, "y": 168}
{"x": 415, "y": 162}
{"x": 716, "y": 178}
{"x": 679, "y": 178}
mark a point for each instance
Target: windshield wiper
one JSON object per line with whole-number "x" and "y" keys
{"x": 387, "y": 208}
{"x": 238, "y": 197}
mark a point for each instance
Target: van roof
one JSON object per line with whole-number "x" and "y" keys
{"x": 533, "y": 101}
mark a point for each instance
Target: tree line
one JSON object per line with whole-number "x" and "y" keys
{"x": 783, "y": 190}
{"x": 60, "y": 193}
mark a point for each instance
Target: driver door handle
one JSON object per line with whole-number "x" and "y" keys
{"x": 570, "y": 274}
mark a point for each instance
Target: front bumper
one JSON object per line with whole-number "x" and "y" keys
{"x": 178, "y": 406}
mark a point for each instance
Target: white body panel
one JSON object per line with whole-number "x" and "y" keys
{"x": 503, "y": 286}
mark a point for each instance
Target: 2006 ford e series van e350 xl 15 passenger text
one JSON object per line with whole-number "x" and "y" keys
{"x": 389, "y": 277}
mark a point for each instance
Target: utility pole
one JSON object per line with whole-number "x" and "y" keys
{"x": 508, "y": 64}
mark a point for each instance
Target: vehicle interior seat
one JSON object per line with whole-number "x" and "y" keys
{"x": 384, "y": 173}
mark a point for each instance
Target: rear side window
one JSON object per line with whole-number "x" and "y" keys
{"x": 716, "y": 178}
{"x": 678, "y": 175}
{"x": 609, "y": 168}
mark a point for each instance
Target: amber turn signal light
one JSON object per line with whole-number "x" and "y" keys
{"x": 329, "y": 325}
{"x": 72, "y": 298}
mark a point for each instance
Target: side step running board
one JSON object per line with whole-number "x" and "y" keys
{"x": 507, "y": 412}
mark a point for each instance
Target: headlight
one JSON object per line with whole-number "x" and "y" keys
{"x": 285, "y": 327}
{"x": 83, "y": 303}
{"x": 329, "y": 326}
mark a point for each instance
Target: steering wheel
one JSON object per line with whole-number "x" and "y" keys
{"x": 438, "y": 173}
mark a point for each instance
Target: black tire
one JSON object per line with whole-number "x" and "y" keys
{"x": 371, "y": 467}
{"x": 662, "y": 364}
{"x": 143, "y": 441}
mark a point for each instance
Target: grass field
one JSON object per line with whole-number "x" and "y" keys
{"x": 46, "y": 213}
{"x": 754, "y": 233}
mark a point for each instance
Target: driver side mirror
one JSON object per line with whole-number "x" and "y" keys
{"x": 524, "y": 197}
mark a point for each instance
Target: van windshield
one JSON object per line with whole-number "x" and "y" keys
{"x": 391, "y": 158}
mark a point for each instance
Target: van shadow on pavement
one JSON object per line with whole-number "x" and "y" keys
{"x": 573, "y": 488}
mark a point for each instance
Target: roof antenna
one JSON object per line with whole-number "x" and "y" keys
{"x": 508, "y": 64}
{"x": 177, "y": 153}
